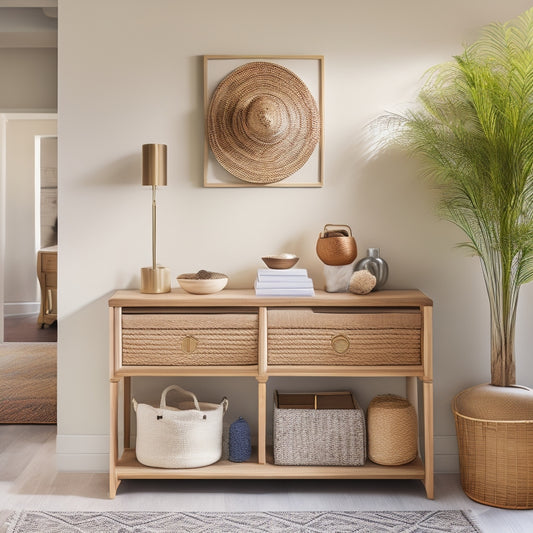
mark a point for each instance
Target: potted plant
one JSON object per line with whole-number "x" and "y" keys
{"x": 473, "y": 127}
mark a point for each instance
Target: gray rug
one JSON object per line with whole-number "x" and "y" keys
{"x": 293, "y": 522}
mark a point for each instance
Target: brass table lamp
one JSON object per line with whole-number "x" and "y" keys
{"x": 154, "y": 279}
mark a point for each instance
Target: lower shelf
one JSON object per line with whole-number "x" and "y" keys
{"x": 129, "y": 468}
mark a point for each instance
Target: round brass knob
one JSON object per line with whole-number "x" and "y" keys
{"x": 189, "y": 344}
{"x": 340, "y": 344}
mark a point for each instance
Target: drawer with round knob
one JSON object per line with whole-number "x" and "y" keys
{"x": 323, "y": 336}
{"x": 189, "y": 339}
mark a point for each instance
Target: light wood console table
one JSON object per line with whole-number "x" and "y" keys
{"x": 235, "y": 333}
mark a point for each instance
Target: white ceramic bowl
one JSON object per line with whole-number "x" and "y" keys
{"x": 202, "y": 286}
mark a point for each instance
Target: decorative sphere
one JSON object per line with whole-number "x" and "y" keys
{"x": 362, "y": 282}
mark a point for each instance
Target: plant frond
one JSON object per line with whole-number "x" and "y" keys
{"x": 472, "y": 128}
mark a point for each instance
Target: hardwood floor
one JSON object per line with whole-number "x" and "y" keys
{"x": 25, "y": 329}
{"x": 29, "y": 480}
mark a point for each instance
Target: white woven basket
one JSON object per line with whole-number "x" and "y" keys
{"x": 185, "y": 437}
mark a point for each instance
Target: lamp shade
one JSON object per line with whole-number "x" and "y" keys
{"x": 154, "y": 164}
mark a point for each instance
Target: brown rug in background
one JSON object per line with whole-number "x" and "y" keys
{"x": 28, "y": 383}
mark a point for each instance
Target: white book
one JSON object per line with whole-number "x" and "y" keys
{"x": 305, "y": 283}
{"x": 287, "y": 273}
{"x": 285, "y": 292}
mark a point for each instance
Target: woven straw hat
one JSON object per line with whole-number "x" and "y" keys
{"x": 262, "y": 123}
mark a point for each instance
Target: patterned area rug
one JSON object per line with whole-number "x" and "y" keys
{"x": 28, "y": 383}
{"x": 293, "y": 522}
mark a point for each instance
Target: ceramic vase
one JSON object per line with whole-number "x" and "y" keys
{"x": 376, "y": 265}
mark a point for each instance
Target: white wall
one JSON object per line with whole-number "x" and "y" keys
{"x": 21, "y": 287}
{"x": 134, "y": 76}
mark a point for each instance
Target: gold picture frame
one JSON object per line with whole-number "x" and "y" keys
{"x": 310, "y": 69}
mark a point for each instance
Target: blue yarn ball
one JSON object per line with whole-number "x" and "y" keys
{"x": 240, "y": 442}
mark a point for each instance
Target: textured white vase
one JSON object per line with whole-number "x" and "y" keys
{"x": 338, "y": 277}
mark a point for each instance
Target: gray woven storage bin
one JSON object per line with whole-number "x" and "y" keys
{"x": 328, "y": 437}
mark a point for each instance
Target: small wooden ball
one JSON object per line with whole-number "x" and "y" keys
{"x": 362, "y": 282}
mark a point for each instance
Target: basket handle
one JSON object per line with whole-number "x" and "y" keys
{"x": 225, "y": 403}
{"x": 182, "y": 392}
{"x": 329, "y": 227}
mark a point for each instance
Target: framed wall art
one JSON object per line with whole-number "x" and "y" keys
{"x": 264, "y": 119}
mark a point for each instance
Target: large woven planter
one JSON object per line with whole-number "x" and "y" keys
{"x": 495, "y": 436}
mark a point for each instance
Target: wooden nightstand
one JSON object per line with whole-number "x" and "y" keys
{"x": 47, "y": 274}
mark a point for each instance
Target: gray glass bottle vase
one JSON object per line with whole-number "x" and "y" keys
{"x": 376, "y": 265}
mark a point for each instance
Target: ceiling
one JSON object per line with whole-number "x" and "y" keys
{"x": 28, "y": 24}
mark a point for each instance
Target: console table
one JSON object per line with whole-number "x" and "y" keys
{"x": 236, "y": 333}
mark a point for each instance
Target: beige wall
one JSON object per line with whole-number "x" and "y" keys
{"x": 28, "y": 79}
{"x": 134, "y": 76}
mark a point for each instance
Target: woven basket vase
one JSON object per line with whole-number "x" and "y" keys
{"x": 392, "y": 430}
{"x": 336, "y": 249}
{"x": 495, "y": 437}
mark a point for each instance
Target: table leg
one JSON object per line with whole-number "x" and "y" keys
{"x": 428, "y": 439}
{"x": 113, "y": 439}
{"x": 261, "y": 422}
{"x": 127, "y": 412}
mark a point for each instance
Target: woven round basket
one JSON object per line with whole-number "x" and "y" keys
{"x": 392, "y": 430}
{"x": 495, "y": 437}
{"x": 263, "y": 123}
{"x": 336, "y": 247}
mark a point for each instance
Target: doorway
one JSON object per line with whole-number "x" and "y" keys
{"x": 28, "y": 359}
{"x": 28, "y": 200}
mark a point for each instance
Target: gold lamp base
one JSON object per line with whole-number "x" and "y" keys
{"x": 155, "y": 280}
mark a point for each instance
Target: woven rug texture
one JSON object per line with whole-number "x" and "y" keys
{"x": 271, "y": 522}
{"x": 28, "y": 383}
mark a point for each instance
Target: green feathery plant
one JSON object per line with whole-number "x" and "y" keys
{"x": 473, "y": 127}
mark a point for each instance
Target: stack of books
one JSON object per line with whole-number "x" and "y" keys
{"x": 287, "y": 282}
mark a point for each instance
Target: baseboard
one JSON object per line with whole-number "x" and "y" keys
{"x": 90, "y": 453}
{"x": 93, "y": 463}
{"x": 82, "y": 453}
{"x": 21, "y": 308}
{"x": 446, "y": 454}
{"x": 446, "y": 464}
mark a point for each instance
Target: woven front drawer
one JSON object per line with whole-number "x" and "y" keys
{"x": 321, "y": 337}
{"x": 189, "y": 339}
